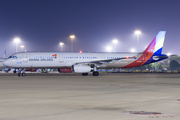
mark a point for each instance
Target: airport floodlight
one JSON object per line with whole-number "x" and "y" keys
{"x": 168, "y": 54}
{"x": 22, "y": 46}
{"x": 115, "y": 41}
{"x": 72, "y": 37}
{"x": 61, "y": 44}
{"x": 17, "y": 40}
{"x": 137, "y": 32}
{"x": 108, "y": 48}
{"x": 132, "y": 50}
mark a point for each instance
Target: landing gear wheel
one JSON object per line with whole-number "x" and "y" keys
{"x": 95, "y": 73}
{"x": 14, "y": 71}
{"x": 85, "y": 74}
{"x": 23, "y": 74}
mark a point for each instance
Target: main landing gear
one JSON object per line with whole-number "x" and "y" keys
{"x": 85, "y": 74}
{"x": 14, "y": 71}
{"x": 95, "y": 73}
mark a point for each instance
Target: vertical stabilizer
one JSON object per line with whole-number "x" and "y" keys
{"x": 156, "y": 46}
{"x": 5, "y": 54}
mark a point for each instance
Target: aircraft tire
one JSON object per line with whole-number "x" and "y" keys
{"x": 23, "y": 74}
{"x": 95, "y": 73}
{"x": 85, "y": 74}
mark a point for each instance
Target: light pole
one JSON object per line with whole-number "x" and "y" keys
{"x": 22, "y": 46}
{"x": 16, "y": 40}
{"x": 115, "y": 42}
{"x": 72, "y": 37}
{"x": 61, "y": 44}
{"x": 137, "y": 32}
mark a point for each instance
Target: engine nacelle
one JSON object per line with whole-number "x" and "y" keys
{"x": 65, "y": 70}
{"x": 81, "y": 68}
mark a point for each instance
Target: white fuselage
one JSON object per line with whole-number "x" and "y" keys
{"x": 65, "y": 59}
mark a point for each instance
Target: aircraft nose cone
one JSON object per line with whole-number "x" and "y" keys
{"x": 6, "y": 62}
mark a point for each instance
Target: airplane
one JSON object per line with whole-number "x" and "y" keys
{"x": 88, "y": 62}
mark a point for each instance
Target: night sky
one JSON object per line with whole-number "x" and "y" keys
{"x": 42, "y": 24}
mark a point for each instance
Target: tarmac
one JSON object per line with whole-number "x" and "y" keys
{"x": 110, "y": 96}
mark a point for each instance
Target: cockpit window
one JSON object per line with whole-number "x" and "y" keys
{"x": 12, "y": 56}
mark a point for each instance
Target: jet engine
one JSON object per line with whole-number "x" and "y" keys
{"x": 81, "y": 68}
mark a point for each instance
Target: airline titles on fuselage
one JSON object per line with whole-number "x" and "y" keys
{"x": 43, "y": 59}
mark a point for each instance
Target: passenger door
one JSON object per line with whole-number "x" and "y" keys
{"x": 60, "y": 57}
{"x": 102, "y": 57}
{"x": 25, "y": 57}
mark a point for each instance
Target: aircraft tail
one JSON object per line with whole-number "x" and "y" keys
{"x": 152, "y": 53}
{"x": 156, "y": 46}
{"x": 5, "y": 54}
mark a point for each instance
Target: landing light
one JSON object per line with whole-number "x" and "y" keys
{"x": 80, "y": 51}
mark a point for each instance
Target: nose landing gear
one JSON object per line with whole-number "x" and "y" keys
{"x": 23, "y": 74}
